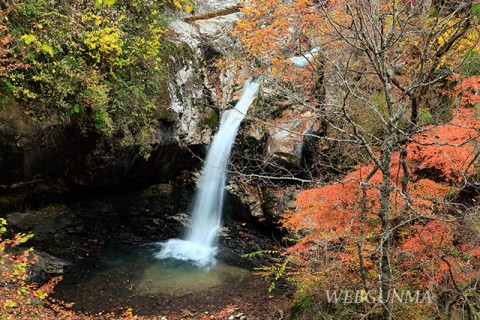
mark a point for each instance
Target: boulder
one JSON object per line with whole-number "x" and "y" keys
{"x": 284, "y": 146}
{"x": 41, "y": 269}
{"x": 45, "y": 223}
{"x": 262, "y": 205}
{"x": 279, "y": 147}
{"x": 45, "y": 267}
{"x": 245, "y": 201}
{"x": 53, "y": 265}
{"x": 56, "y": 227}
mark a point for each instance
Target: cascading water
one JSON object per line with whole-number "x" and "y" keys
{"x": 200, "y": 243}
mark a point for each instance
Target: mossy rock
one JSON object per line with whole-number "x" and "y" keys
{"x": 212, "y": 120}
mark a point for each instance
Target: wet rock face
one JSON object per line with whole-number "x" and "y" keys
{"x": 35, "y": 171}
{"x": 188, "y": 100}
{"x": 280, "y": 148}
{"x": 264, "y": 206}
{"x": 283, "y": 146}
{"x": 244, "y": 201}
{"x": 212, "y": 5}
{"x": 22, "y": 156}
{"x": 208, "y": 35}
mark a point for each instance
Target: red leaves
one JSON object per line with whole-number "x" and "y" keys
{"x": 333, "y": 217}
{"x": 328, "y": 210}
{"x": 448, "y": 148}
{"x": 467, "y": 89}
{"x": 7, "y": 61}
{"x": 432, "y": 248}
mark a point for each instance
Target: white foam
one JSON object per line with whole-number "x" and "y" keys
{"x": 201, "y": 241}
{"x": 199, "y": 254}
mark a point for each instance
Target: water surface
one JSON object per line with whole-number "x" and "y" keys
{"x": 133, "y": 277}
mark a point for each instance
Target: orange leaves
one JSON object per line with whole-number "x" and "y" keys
{"x": 7, "y": 61}
{"x": 426, "y": 194}
{"x": 329, "y": 210}
{"x": 448, "y": 148}
{"x": 338, "y": 219}
{"x": 430, "y": 238}
{"x": 432, "y": 249}
{"x": 272, "y": 26}
{"x": 467, "y": 88}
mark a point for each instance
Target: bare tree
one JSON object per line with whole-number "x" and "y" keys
{"x": 379, "y": 66}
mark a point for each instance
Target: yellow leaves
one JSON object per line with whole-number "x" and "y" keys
{"x": 106, "y": 37}
{"x": 185, "y": 5}
{"x": 46, "y": 48}
{"x": 447, "y": 30}
{"x": 3, "y": 222}
{"x": 92, "y": 17}
{"x": 101, "y": 3}
{"x": 42, "y": 295}
{"x": 10, "y": 304}
{"x": 177, "y": 4}
{"x": 29, "y": 38}
{"x": 104, "y": 42}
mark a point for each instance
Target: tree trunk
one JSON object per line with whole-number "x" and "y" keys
{"x": 385, "y": 268}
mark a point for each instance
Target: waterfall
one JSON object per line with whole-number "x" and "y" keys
{"x": 200, "y": 243}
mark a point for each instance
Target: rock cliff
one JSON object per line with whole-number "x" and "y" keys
{"x": 40, "y": 161}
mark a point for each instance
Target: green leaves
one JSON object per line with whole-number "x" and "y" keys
{"x": 257, "y": 253}
{"x": 29, "y": 38}
{"x": 46, "y": 48}
{"x": 91, "y": 60}
{"x": 3, "y": 223}
{"x": 425, "y": 115}
{"x": 476, "y": 10}
{"x": 25, "y": 237}
{"x": 100, "y": 3}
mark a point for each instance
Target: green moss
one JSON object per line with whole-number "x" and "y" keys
{"x": 287, "y": 158}
{"x": 212, "y": 121}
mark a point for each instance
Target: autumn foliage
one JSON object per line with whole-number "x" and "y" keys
{"x": 20, "y": 298}
{"x": 8, "y": 60}
{"x": 397, "y": 82}
{"x": 432, "y": 248}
